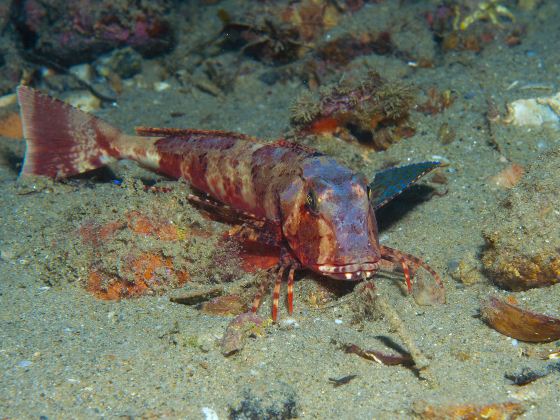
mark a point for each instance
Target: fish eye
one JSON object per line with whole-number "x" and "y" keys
{"x": 311, "y": 201}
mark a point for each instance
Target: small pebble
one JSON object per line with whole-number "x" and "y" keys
{"x": 25, "y": 363}
{"x": 161, "y": 86}
{"x": 209, "y": 414}
{"x": 8, "y": 100}
{"x": 338, "y": 321}
{"x": 288, "y": 324}
{"x": 83, "y": 72}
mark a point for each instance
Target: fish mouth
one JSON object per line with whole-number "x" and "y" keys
{"x": 350, "y": 272}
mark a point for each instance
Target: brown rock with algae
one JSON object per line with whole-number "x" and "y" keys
{"x": 373, "y": 111}
{"x": 523, "y": 243}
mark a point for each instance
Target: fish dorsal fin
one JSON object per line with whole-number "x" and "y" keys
{"x": 388, "y": 184}
{"x": 189, "y": 132}
{"x": 296, "y": 146}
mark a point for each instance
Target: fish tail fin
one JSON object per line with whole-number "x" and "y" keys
{"x": 62, "y": 140}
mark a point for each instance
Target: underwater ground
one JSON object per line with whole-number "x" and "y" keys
{"x": 116, "y": 291}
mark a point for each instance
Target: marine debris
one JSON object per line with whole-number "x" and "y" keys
{"x": 522, "y": 324}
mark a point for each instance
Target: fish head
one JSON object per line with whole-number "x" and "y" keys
{"x": 330, "y": 226}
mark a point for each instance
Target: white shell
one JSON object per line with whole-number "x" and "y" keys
{"x": 534, "y": 112}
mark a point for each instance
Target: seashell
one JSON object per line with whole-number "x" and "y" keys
{"x": 509, "y": 177}
{"x": 534, "y": 112}
{"x": 522, "y": 324}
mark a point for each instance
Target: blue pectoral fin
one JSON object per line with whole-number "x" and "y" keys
{"x": 388, "y": 184}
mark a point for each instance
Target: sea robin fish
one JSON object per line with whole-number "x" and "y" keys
{"x": 320, "y": 214}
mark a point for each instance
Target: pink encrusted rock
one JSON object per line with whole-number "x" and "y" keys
{"x": 75, "y": 32}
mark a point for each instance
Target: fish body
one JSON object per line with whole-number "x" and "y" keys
{"x": 317, "y": 211}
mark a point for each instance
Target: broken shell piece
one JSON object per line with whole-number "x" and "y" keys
{"x": 380, "y": 357}
{"x": 225, "y": 305}
{"x": 242, "y": 326}
{"x": 427, "y": 292}
{"x": 534, "y": 112}
{"x": 508, "y": 177}
{"x": 519, "y": 323}
{"x": 194, "y": 297}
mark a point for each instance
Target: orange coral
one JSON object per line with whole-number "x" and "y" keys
{"x": 140, "y": 271}
{"x": 142, "y": 224}
{"x": 324, "y": 126}
{"x": 145, "y": 270}
{"x": 95, "y": 234}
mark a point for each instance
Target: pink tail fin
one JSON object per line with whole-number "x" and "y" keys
{"x": 62, "y": 140}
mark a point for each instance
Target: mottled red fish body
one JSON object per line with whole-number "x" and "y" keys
{"x": 315, "y": 210}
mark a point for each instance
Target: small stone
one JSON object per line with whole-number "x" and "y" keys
{"x": 84, "y": 100}
{"x": 209, "y": 414}
{"x": 288, "y": 324}
{"x": 83, "y": 72}
{"x": 8, "y": 100}
{"x": 161, "y": 86}
{"x": 25, "y": 363}
{"x": 125, "y": 62}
